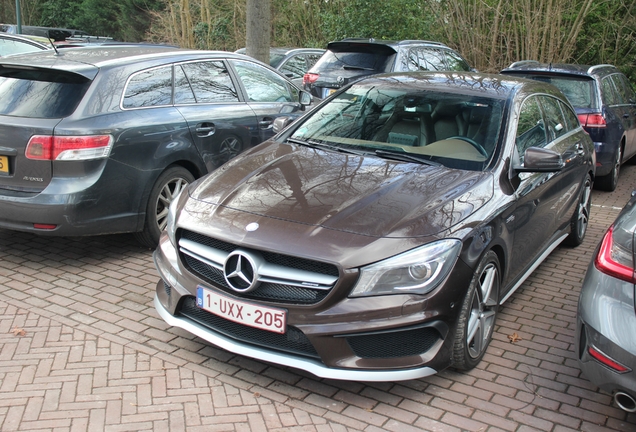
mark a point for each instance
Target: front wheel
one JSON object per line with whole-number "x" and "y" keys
{"x": 169, "y": 184}
{"x": 478, "y": 314}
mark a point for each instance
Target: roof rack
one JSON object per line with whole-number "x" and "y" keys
{"x": 592, "y": 68}
{"x": 522, "y": 62}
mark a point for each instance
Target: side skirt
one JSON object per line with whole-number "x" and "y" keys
{"x": 534, "y": 266}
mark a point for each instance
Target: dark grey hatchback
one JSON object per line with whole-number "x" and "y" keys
{"x": 99, "y": 140}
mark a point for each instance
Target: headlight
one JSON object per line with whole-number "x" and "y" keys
{"x": 171, "y": 220}
{"x": 417, "y": 271}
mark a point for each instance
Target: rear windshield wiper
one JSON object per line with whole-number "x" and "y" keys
{"x": 405, "y": 157}
{"x": 349, "y": 67}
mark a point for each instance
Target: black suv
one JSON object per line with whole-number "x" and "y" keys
{"x": 605, "y": 104}
{"x": 351, "y": 59}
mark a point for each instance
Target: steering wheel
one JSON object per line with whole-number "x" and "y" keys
{"x": 482, "y": 151}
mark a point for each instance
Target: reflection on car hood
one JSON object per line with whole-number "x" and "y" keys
{"x": 362, "y": 195}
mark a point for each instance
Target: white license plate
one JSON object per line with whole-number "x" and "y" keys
{"x": 4, "y": 164}
{"x": 262, "y": 317}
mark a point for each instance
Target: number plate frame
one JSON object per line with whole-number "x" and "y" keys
{"x": 242, "y": 312}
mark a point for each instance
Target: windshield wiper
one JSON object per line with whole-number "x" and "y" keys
{"x": 405, "y": 157}
{"x": 324, "y": 146}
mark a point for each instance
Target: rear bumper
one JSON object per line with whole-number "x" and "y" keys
{"x": 97, "y": 203}
{"x": 605, "y": 157}
{"x": 606, "y": 321}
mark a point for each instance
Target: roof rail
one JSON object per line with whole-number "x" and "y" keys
{"x": 425, "y": 41}
{"x": 592, "y": 68}
{"x": 522, "y": 62}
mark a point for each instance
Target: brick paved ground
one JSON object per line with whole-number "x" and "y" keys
{"x": 82, "y": 349}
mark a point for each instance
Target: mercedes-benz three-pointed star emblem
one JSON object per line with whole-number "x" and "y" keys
{"x": 240, "y": 271}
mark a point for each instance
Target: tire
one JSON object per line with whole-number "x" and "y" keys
{"x": 581, "y": 216}
{"x": 167, "y": 186}
{"x": 609, "y": 182}
{"x": 478, "y": 314}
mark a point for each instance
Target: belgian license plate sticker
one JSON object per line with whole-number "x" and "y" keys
{"x": 250, "y": 314}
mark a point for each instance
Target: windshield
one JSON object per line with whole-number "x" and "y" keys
{"x": 455, "y": 130}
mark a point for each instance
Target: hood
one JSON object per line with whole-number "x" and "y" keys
{"x": 349, "y": 193}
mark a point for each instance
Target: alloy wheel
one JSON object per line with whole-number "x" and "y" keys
{"x": 584, "y": 209}
{"x": 169, "y": 191}
{"x": 483, "y": 312}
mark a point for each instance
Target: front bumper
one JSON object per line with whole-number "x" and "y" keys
{"x": 339, "y": 335}
{"x": 313, "y": 366}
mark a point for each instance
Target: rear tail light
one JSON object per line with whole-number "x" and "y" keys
{"x": 310, "y": 78}
{"x": 47, "y": 147}
{"x": 615, "y": 260}
{"x": 592, "y": 120}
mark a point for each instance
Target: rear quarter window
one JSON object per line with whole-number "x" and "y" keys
{"x": 152, "y": 87}
{"x": 40, "y": 93}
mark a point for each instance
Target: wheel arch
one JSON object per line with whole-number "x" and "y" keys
{"x": 188, "y": 165}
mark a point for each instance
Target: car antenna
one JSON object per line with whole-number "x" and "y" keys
{"x": 54, "y": 47}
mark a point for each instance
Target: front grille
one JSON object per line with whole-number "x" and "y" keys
{"x": 293, "y": 341}
{"x": 402, "y": 343}
{"x": 273, "y": 292}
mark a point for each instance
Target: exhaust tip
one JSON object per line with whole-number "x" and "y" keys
{"x": 625, "y": 402}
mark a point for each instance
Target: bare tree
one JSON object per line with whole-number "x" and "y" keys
{"x": 258, "y": 29}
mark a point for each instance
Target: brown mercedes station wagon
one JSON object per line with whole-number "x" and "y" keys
{"x": 375, "y": 238}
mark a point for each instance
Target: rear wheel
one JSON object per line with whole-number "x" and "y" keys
{"x": 610, "y": 181}
{"x": 166, "y": 188}
{"x": 581, "y": 216}
{"x": 478, "y": 315}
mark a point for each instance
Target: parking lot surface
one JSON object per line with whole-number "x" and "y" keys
{"x": 82, "y": 349}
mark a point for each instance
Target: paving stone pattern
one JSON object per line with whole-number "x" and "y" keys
{"x": 82, "y": 349}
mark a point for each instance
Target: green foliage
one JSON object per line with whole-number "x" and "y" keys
{"x": 396, "y": 19}
{"x": 125, "y": 20}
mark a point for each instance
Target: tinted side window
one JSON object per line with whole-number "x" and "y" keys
{"x": 530, "y": 129}
{"x": 411, "y": 60}
{"x": 312, "y": 59}
{"x": 210, "y": 81}
{"x": 433, "y": 59}
{"x": 570, "y": 117}
{"x": 262, "y": 85}
{"x": 182, "y": 90}
{"x": 554, "y": 120}
{"x": 455, "y": 62}
{"x": 295, "y": 67}
{"x": 148, "y": 88}
{"x": 608, "y": 93}
{"x": 624, "y": 90}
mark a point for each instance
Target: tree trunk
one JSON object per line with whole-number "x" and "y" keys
{"x": 258, "y": 29}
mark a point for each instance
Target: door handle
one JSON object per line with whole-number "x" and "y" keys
{"x": 205, "y": 129}
{"x": 266, "y": 123}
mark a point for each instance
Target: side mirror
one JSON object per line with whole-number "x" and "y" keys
{"x": 281, "y": 123}
{"x": 537, "y": 159}
{"x": 305, "y": 98}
